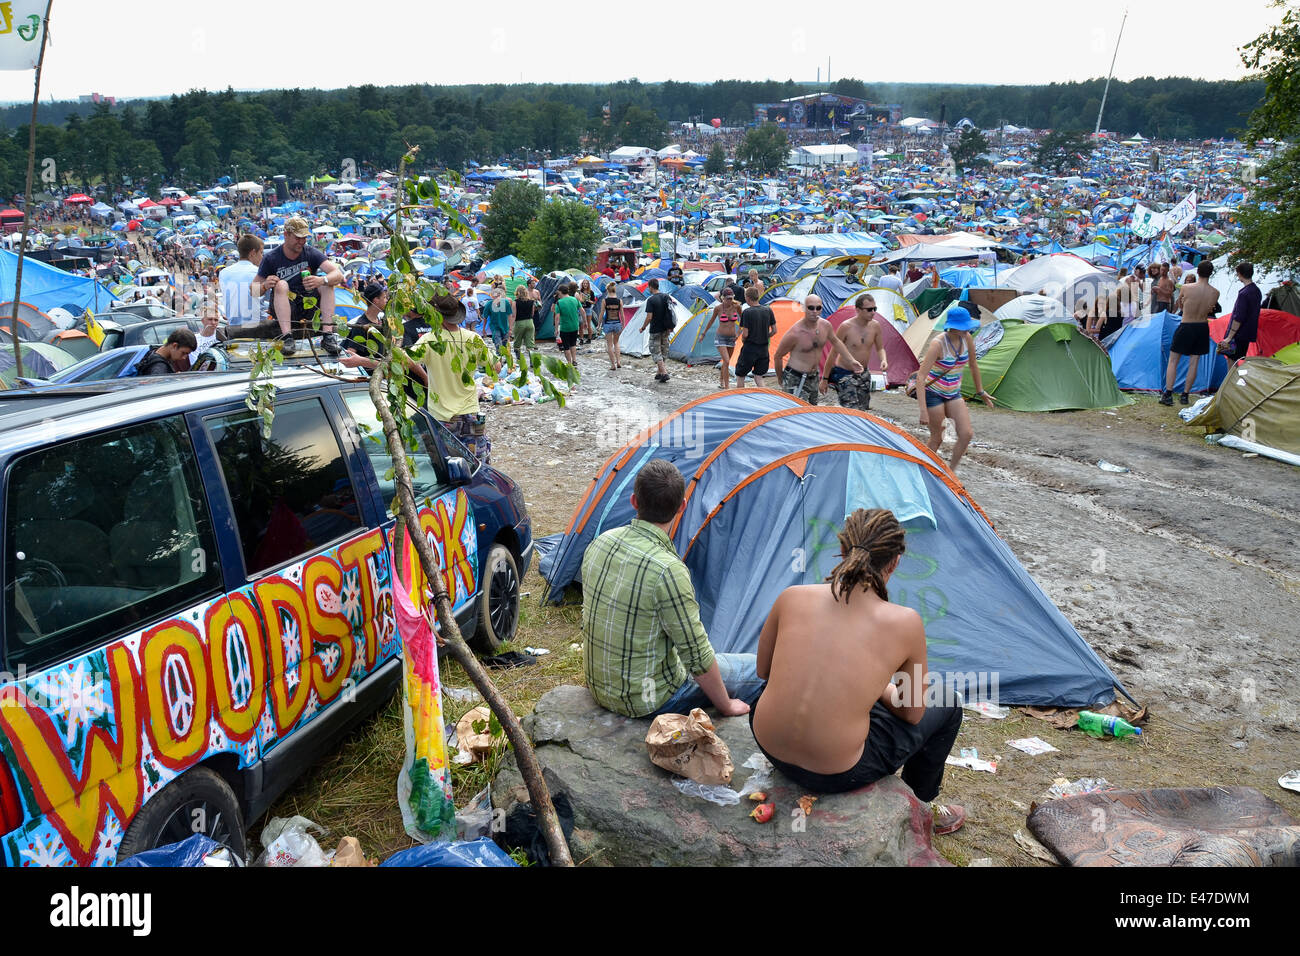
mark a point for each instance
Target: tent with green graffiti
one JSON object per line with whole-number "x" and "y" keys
{"x": 1048, "y": 367}
{"x": 772, "y": 479}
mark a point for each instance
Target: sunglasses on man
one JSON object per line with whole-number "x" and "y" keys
{"x": 813, "y": 308}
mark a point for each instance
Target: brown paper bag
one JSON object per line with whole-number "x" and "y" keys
{"x": 472, "y": 747}
{"x": 689, "y": 747}
{"x": 349, "y": 854}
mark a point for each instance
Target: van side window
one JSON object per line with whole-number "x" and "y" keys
{"x": 429, "y": 474}
{"x": 291, "y": 495}
{"x": 103, "y": 535}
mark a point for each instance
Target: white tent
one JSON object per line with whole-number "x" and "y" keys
{"x": 631, "y": 154}
{"x": 671, "y": 150}
{"x": 1063, "y": 277}
{"x": 825, "y": 154}
{"x": 1034, "y": 308}
{"x": 253, "y": 188}
{"x": 637, "y": 343}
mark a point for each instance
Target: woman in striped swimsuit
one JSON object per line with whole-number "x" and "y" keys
{"x": 939, "y": 382}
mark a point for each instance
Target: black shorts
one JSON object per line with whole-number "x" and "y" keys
{"x": 753, "y": 359}
{"x": 1191, "y": 338}
{"x": 569, "y": 340}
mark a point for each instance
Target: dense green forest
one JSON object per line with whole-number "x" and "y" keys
{"x": 199, "y": 136}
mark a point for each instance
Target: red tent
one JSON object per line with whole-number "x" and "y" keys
{"x": 11, "y": 214}
{"x": 169, "y": 201}
{"x": 145, "y": 204}
{"x": 902, "y": 362}
{"x": 78, "y": 200}
{"x": 1277, "y": 330}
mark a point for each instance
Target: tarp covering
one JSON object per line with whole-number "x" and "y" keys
{"x": 47, "y": 287}
{"x": 790, "y": 244}
{"x": 1139, "y": 355}
{"x": 1260, "y": 401}
{"x": 1046, "y": 368}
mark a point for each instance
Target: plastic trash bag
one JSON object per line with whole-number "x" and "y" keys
{"x": 482, "y": 852}
{"x": 714, "y": 793}
{"x": 475, "y": 820}
{"x": 288, "y": 842}
{"x": 198, "y": 850}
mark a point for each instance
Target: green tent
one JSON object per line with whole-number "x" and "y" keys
{"x": 1260, "y": 401}
{"x": 931, "y": 298}
{"x": 1289, "y": 355}
{"x": 1045, "y": 367}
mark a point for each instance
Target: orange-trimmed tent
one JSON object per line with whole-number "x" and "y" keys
{"x": 766, "y": 501}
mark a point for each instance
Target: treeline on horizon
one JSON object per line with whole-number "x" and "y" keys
{"x": 199, "y": 136}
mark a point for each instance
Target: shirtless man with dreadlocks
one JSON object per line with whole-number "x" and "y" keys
{"x": 845, "y": 702}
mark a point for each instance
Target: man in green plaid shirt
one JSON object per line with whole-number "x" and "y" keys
{"x": 646, "y": 652}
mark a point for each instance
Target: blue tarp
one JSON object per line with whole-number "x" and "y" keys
{"x": 1139, "y": 355}
{"x": 983, "y": 613}
{"x": 48, "y": 287}
{"x": 502, "y": 266}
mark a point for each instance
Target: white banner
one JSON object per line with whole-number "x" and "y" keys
{"x": 21, "y": 33}
{"x": 1182, "y": 215}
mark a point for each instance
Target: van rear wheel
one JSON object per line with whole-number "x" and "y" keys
{"x": 498, "y": 602}
{"x": 198, "y": 801}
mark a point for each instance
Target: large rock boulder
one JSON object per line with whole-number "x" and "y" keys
{"x": 628, "y": 813}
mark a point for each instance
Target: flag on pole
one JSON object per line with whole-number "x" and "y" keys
{"x": 22, "y": 32}
{"x": 1182, "y": 215}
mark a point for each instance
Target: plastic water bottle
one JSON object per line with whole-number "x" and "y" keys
{"x": 1096, "y": 725}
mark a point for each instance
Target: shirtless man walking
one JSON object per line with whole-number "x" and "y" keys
{"x": 804, "y": 343}
{"x": 1192, "y": 337}
{"x": 862, "y": 336}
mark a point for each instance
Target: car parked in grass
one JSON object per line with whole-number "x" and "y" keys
{"x": 194, "y": 613}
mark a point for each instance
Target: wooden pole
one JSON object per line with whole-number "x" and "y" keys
{"x": 27, "y": 203}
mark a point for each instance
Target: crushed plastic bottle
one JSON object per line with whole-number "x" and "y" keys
{"x": 1105, "y": 465}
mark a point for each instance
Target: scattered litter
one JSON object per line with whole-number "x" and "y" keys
{"x": 1061, "y": 787}
{"x": 537, "y": 651}
{"x": 970, "y": 752}
{"x": 805, "y": 804}
{"x": 1290, "y": 781}
{"x": 462, "y": 695}
{"x": 689, "y": 746}
{"x": 1251, "y": 454}
{"x": 476, "y": 819}
{"x": 1104, "y": 465}
{"x": 974, "y": 763}
{"x": 988, "y": 709}
{"x": 552, "y": 463}
{"x": 758, "y": 796}
{"x": 576, "y": 647}
{"x": 349, "y": 854}
{"x": 723, "y": 796}
{"x": 288, "y": 843}
{"x": 760, "y": 779}
{"x": 1035, "y": 849}
{"x": 982, "y": 861}
{"x": 1032, "y": 746}
{"x": 763, "y": 813}
{"x": 474, "y": 738}
{"x": 1201, "y": 404}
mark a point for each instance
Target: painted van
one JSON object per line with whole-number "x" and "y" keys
{"x": 194, "y": 613}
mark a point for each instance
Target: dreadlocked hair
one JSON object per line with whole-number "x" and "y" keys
{"x": 871, "y": 539}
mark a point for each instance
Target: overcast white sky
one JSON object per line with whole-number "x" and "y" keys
{"x": 133, "y": 48}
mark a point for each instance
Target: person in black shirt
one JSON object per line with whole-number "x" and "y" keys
{"x": 362, "y": 347}
{"x": 757, "y": 327}
{"x": 675, "y": 274}
{"x": 290, "y": 272}
{"x": 176, "y": 350}
{"x": 1243, "y": 329}
{"x": 659, "y": 317}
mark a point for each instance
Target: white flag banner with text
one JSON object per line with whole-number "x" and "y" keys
{"x": 1178, "y": 218}
{"x": 21, "y": 32}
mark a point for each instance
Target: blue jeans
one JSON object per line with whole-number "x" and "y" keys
{"x": 739, "y": 673}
